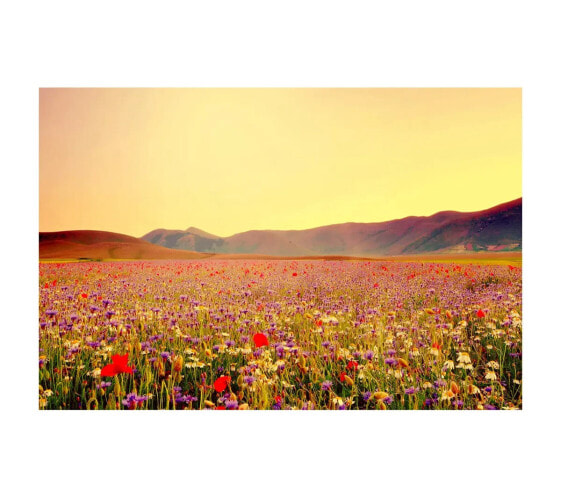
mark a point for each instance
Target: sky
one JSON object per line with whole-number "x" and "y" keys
{"x": 232, "y": 160}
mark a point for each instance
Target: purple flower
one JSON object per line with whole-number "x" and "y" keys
{"x": 366, "y": 396}
{"x": 489, "y": 407}
{"x": 249, "y": 379}
{"x": 326, "y": 386}
{"x": 411, "y": 390}
{"x": 132, "y": 399}
{"x": 231, "y": 405}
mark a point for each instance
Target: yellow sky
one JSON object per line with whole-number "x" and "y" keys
{"x": 231, "y": 160}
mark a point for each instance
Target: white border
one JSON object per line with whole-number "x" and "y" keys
{"x": 280, "y": 44}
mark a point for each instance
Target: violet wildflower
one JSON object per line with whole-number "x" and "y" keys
{"x": 249, "y": 379}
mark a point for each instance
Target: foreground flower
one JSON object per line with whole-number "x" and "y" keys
{"x": 222, "y": 383}
{"x": 133, "y": 401}
{"x": 260, "y": 340}
{"x": 480, "y": 314}
{"x": 381, "y": 395}
{"x": 118, "y": 366}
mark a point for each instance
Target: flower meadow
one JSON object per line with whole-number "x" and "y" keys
{"x": 280, "y": 335}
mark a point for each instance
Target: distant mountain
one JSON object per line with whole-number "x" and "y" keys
{"x": 93, "y": 244}
{"x": 495, "y": 229}
{"x": 191, "y": 239}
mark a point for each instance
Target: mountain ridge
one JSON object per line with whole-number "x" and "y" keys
{"x": 498, "y": 228}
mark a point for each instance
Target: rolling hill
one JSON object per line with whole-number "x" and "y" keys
{"x": 496, "y": 229}
{"x": 93, "y": 244}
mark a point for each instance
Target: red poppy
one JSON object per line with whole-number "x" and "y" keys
{"x": 352, "y": 365}
{"x": 342, "y": 376}
{"x": 222, "y": 383}
{"x": 221, "y": 407}
{"x": 295, "y": 274}
{"x": 480, "y": 314}
{"x": 278, "y": 400}
{"x": 84, "y": 295}
{"x": 436, "y": 345}
{"x": 118, "y": 366}
{"x": 260, "y": 340}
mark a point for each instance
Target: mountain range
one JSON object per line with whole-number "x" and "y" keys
{"x": 496, "y": 229}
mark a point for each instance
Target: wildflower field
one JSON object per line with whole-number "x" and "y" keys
{"x": 273, "y": 334}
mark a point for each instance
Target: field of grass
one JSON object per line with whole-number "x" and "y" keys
{"x": 280, "y": 334}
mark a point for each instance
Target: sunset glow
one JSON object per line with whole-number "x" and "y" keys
{"x": 231, "y": 160}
